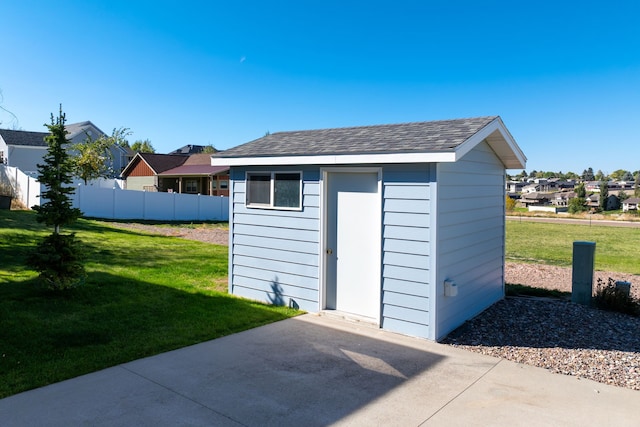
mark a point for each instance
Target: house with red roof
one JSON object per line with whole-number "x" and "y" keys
{"x": 172, "y": 173}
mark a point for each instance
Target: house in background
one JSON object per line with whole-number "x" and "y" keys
{"x": 188, "y": 150}
{"x": 24, "y": 149}
{"x": 593, "y": 202}
{"x": 176, "y": 173}
{"x": 630, "y": 204}
{"x": 197, "y": 176}
{"x": 374, "y": 222}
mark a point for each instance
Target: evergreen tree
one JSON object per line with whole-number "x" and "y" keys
{"x": 587, "y": 174}
{"x": 604, "y": 195}
{"x": 58, "y": 258}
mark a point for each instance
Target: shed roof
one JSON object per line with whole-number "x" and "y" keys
{"x": 434, "y": 141}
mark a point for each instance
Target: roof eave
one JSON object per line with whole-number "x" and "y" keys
{"x": 337, "y": 159}
{"x": 500, "y": 141}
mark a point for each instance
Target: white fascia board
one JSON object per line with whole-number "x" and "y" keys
{"x": 516, "y": 158}
{"x": 345, "y": 159}
{"x": 29, "y": 147}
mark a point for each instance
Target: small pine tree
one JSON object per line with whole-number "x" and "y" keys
{"x": 604, "y": 195}
{"x": 58, "y": 258}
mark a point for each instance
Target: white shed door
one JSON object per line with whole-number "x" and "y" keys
{"x": 353, "y": 244}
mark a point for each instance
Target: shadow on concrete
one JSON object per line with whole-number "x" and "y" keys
{"x": 293, "y": 373}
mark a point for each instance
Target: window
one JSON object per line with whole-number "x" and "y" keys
{"x": 276, "y": 190}
{"x": 191, "y": 186}
{"x": 224, "y": 185}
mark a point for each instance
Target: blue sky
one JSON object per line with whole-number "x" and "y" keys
{"x": 564, "y": 76}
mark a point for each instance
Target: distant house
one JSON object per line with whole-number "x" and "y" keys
{"x": 25, "y": 150}
{"x": 536, "y": 199}
{"x": 373, "y": 222}
{"x": 176, "y": 173}
{"x": 562, "y": 198}
{"x": 188, "y": 150}
{"x": 515, "y": 186}
{"x": 631, "y": 204}
{"x": 197, "y": 176}
{"x": 531, "y": 188}
{"x": 613, "y": 203}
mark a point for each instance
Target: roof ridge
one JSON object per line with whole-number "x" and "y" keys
{"x": 488, "y": 118}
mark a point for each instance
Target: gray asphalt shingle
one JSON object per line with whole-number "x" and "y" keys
{"x": 21, "y": 137}
{"x": 433, "y": 136}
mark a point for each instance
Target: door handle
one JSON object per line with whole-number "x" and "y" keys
{"x": 329, "y": 251}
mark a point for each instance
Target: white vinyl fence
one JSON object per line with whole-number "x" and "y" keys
{"x": 113, "y": 203}
{"x": 26, "y": 188}
{"x": 106, "y": 199}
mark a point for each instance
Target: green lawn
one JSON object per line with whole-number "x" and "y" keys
{"x": 617, "y": 248}
{"x": 144, "y": 294}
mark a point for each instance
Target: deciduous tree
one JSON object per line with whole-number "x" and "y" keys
{"x": 91, "y": 159}
{"x": 143, "y": 146}
{"x": 209, "y": 149}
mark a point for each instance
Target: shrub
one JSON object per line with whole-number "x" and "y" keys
{"x": 577, "y": 205}
{"x": 609, "y": 297}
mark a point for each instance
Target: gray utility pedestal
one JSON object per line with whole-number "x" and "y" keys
{"x": 624, "y": 287}
{"x": 582, "y": 278}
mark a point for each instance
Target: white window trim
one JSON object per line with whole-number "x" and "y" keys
{"x": 271, "y": 191}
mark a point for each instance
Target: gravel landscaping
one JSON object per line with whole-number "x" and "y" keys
{"x": 558, "y": 335}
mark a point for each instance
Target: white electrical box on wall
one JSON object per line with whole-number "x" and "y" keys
{"x": 450, "y": 288}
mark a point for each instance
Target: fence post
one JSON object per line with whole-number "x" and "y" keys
{"x": 78, "y": 197}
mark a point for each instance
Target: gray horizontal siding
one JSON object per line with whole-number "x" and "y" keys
{"x": 274, "y": 253}
{"x": 406, "y": 249}
{"x": 470, "y": 245}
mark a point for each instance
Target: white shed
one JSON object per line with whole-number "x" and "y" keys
{"x": 402, "y": 225}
